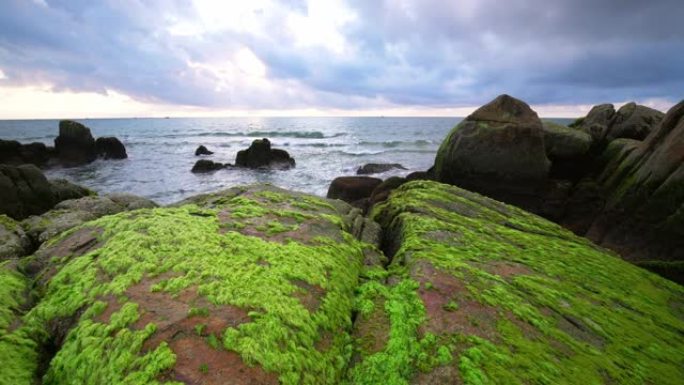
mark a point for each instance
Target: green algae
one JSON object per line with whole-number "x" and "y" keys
{"x": 572, "y": 312}
{"x": 224, "y": 268}
{"x": 8, "y": 223}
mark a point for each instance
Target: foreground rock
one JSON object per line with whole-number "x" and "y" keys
{"x": 479, "y": 292}
{"x": 25, "y": 191}
{"x": 377, "y": 168}
{"x": 261, "y": 155}
{"x": 499, "y": 151}
{"x": 110, "y": 147}
{"x": 202, "y": 150}
{"x": 255, "y": 285}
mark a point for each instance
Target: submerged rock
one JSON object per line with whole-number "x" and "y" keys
{"x": 481, "y": 292}
{"x": 261, "y": 155}
{"x": 202, "y": 150}
{"x": 110, "y": 147}
{"x": 377, "y": 168}
{"x": 75, "y": 144}
{"x": 205, "y": 165}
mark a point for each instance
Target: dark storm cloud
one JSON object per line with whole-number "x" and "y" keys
{"x": 412, "y": 52}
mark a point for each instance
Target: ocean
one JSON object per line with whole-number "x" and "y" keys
{"x": 161, "y": 151}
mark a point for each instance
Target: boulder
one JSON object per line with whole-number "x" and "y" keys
{"x": 261, "y": 155}
{"x": 13, "y": 241}
{"x": 384, "y": 189}
{"x": 480, "y": 292}
{"x": 62, "y": 190}
{"x": 568, "y": 149}
{"x": 633, "y": 121}
{"x": 377, "y": 168}
{"x": 75, "y": 144}
{"x": 15, "y": 153}
{"x": 24, "y": 191}
{"x": 201, "y": 150}
{"x": 597, "y": 122}
{"x": 205, "y": 165}
{"x": 499, "y": 151}
{"x": 352, "y": 188}
{"x": 109, "y": 147}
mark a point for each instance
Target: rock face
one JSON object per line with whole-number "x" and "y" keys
{"x": 109, "y": 147}
{"x": 205, "y": 165}
{"x": 478, "y": 292}
{"x": 377, "y": 168}
{"x": 352, "y": 188}
{"x": 13, "y": 241}
{"x": 631, "y": 121}
{"x": 25, "y": 191}
{"x": 201, "y": 150}
{"x": 261, "y": 155}
{"x": 644, "y": 187}
{"x": 75, "y": 144}
{"x": 498, "y": 150}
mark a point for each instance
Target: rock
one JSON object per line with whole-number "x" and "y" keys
{"x": 110, "y": 147}
{"x": 201, "y": 150}
{"x": 75, "y": 144}
{"x": 205, "y": 165}
{"x": 24, "y": 191}
{"x": 352, "y": 188}
{"x": 503, "y": 140}
{"x": 498, "y": 151}
{"x": 644, "y": 186}
{"x": 15, "y": 153}
{"x": 633, "y": 121}
{"x": 74, "y": 212}
{"x": 384, "y": 189}
{"x": 13, "y": 241}
{"x": 468, "y": 268}
{"x": 597, "y": 122}
{"x": 261, "y": 155}
{"x": 62, "y": 190}
{"x": 568, "y": 150}
{"x": 201, "y": 292}
{"x": 377, "y": 168}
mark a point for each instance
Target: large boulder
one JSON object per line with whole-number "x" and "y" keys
{"x": 377, "y": 168}
{"x": 15, "y": 153}
{"x": 479, "y": 292}
{"x": 644, "y": 182}
{"x": 499, "y": 151}
{"x": 352, "y": 188}
{"x": 261, "y": 155}
{"x": 109, "y": 147}
{"x": 633, "y": 121}
{"x": 75, "y": 144}
{"x": 568, "y": 149}
{"x": 598, "y": 121}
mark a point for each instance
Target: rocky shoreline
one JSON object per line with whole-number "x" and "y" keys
{"x": 418, "y": 280}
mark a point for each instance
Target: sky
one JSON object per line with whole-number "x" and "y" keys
{"x": 137, "y": 58}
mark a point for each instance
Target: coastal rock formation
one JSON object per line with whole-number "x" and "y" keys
{"x": 499, "y": 151}
{"x": 202, "y": 150}
{"x": 205, "y": 165}
{"x": 109, "y": 147}
{"x": 13, "y": 241}
{"x": 568, "y": 150}
{"x": 261, "y": 155}
{"x": 352, "y": 188}
{"x": 480, "y": 292}
{"x": 15, "y": 153}
{"x": 266, "y": 286}
{"x": 75, "y": 144}
{"x": 377, "y": 168}
{"x": 25, "y": 191}
{"x": 631, "y": 121}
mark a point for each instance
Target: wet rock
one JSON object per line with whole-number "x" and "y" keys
{"x": 261, "y": 155}
{"x": 75, "y": 144}
{"x": 383, "y": 190}
{"x": 377, "y": 168}
{"x": 24, "y": 191}
{"x": 110, "y": 147}
{"x": 205, "y": 165}
{"x": 202, "y": 150}
{"x": 352, "y": 188}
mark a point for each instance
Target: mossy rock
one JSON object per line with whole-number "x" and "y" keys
{"x": 479, "y": 292}
{"x": 255, "y": 285}
{"x": 563, "y": 142}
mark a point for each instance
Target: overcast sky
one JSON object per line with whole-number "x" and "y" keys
{"x": 88, "y": 58}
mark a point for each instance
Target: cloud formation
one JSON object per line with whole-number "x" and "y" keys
{"x": 267, "y": 54}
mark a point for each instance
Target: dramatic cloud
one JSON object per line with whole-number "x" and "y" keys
{"x": 354, "y": 54}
